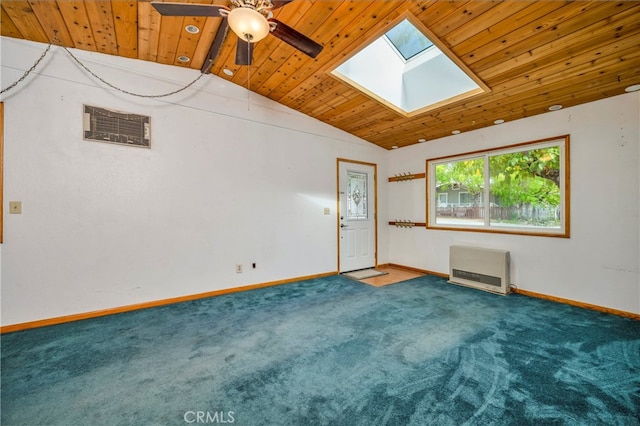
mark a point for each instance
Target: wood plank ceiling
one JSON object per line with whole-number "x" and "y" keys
{"x": 531, "y": 54}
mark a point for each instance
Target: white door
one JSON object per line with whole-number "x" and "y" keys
{"x": 357, "y": 245}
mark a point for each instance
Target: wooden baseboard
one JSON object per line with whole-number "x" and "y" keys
{"x": 411, "y": 268}
{"x": 536, "y": 295}
{"x": 576, "y": 303}
{"x": 111, "y": 311}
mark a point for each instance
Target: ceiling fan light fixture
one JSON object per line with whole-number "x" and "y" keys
{"x": 248, "y": 24}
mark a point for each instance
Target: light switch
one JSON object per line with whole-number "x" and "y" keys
{"x": 15, "y": 207}
{"x": 327, "y": 210}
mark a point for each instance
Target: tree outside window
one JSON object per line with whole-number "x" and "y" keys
{"x": 517, "y": 189}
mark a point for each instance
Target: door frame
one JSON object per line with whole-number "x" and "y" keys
{"x": 375, "y": 205}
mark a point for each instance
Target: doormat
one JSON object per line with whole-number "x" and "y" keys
{"x": 363, "y": 274}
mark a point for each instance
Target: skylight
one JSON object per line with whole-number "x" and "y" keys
{"x": 407, "y": 40}
{"x": 407, "y": 71}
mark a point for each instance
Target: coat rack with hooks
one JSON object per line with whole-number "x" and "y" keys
{"x": 405, "y": 223}
{"x": 405, "y": 176}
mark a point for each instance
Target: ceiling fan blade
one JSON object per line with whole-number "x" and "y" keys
{"x": 279, "y": 3}
{"x": 295, "y": 39}
{"x": 216, "y": 46}
{"x": 244, "y": 52}
{"x": 188, "y": 9}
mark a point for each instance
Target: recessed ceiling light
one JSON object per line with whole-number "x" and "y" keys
{"x": 455, "y": 132}
{"x": 555, "y": 107}
{"x": 227, "y": 71}
{"x": 633, "y": 88}
{"x": 192, "y": 29}
{"x": 394, "y": 147}
{"x": 183, "y": 59}
{"x": 421, "y": 140}
{"x": 498, "y": 121}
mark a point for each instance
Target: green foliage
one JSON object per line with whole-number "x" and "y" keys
{"x": 468, "y": 173}
{"x": 526, "y": 177}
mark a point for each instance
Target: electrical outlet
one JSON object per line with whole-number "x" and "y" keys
{"x": 327, "y": 210}
{"x": 15, "y": 207}
{"x": 239, "y": 268}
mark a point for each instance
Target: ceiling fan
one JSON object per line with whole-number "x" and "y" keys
{"x": 250, "y": 20}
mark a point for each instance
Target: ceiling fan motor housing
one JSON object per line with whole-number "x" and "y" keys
{"x": 262, "y": 6}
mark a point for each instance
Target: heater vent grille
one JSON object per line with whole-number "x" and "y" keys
{"x": 103, "y": 125}
{"x": 478, "y": 278}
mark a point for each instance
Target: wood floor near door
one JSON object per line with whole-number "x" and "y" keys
{"x": 394, "y": 275}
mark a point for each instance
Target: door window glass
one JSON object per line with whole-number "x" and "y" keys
{"x": 357, "y": 196}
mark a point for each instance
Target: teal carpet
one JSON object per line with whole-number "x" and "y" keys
{"x": 330, "y": 351}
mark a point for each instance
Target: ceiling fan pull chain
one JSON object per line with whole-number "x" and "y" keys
{"x": 249, "y": 77}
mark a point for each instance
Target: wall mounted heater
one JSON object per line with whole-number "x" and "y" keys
{"x": 481, "y": 268}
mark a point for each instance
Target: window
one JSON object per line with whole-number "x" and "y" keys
{"x": 407, "y": 40}
{"x": 519, "y": 189}
{"x": 357, "y": 196}
{"x": 408, "y": 69}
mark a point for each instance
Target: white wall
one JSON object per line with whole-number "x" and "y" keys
{"x": 224, "y": 183}
{"x": 600, "y": 263}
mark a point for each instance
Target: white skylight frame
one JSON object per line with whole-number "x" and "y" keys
{"x": 376, "y": 61}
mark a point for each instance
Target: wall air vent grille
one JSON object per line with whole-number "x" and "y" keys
{"x": 103, "y": 125}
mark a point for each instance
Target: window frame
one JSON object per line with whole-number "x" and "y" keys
{"x": 563, "y": 142}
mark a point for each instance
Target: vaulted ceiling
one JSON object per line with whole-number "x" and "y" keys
{"x": 530, "y": 54}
